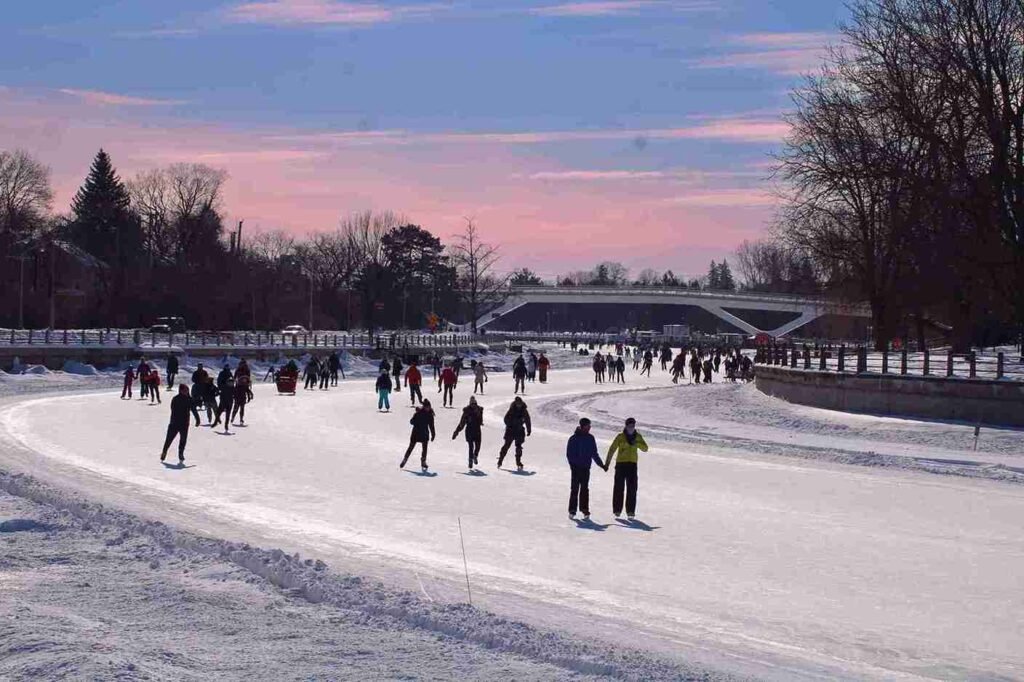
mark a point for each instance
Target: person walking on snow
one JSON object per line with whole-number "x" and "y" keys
{"x": 519, "y": 374}
{"x": 581, "y": 451}
{"x": 531, "y": 368}
{"x": 627, "y": 445}
{"x": 479, "y": 376}
{"x": 542, "y": 366}
{"x": 181, "y": 405}
{"x": 517, "y": 429}
{"x": 472, "y": 421}
{"x": 413, "y": 380}
{"x": 422, "y": 427}
{"x": 383, "y": 388}
{"x": 448, "y": 379}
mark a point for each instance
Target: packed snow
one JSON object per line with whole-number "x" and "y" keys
{"x": 759, "y": 549}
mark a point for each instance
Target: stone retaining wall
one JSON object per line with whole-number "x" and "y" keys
{"x": 970, "y": 400}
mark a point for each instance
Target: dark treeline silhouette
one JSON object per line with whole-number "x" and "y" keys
{"x": 904, "y": 171}
{"x": 156, "y": 245}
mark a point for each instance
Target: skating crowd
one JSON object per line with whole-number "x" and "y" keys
{"x": 225, "y": 398}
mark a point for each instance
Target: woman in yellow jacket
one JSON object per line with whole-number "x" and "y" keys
{"x": 627, "y": 444}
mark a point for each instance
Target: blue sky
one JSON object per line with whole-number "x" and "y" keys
{"x": 590, "y": 119}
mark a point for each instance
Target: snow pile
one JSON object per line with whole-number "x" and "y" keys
{"x": 79, "y": 368}
{"x": 314, "y": 582}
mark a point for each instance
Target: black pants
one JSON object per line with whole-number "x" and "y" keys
{"x": 412, "y": 444}
{"x": 224, "y": 409}
{"x": 474, "y": 450}
{"x": 310, "y": 381}
{"x": 579, "y": 490}
{"x": 170, "y": 379}
{"x": 334, "y": 376}
{"x": 126, "y": 390}
{"x": 415, "y": 394}
{"x": 181, "y": 431}
{"x": 238, "y": 411}
{"x": 516, "y": 437}
{"x": 520, "y": 384}
{"x": 625, "y": 479}
{"x": 324, "y": 379}
{"x": 449, "y": 396}
{"x": 154, "y": 393}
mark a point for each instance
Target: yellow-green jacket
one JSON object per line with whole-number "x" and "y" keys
{"x": 627, "y": 452}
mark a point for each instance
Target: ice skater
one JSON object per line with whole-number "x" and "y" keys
{"x": 153, "y": 380}
{"x": 448, "y": 381}
{"x": 472, "y": 421}
{"x": 479, "y": 376}
{"x": 126, "y": 388}
{"x": 581, "y": 451}
{"x": 243, "y": 395}
{"x": 181, "y": 405}
{"x": 626, "y": 446}
{"x": 543, "y": 364}
{"x": 227, "y": 401}
{"x": 422, "y": 432}
{"x": 517, "y": 429}
{"x": 519, "y": 374}
{"x": 414, "y": 380}
{"x": 172, "y": 370}
{"x": 383, "y": 388}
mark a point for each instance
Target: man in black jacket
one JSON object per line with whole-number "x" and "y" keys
{"x": 422, "y": 428}
{"x": 517, "y": 428}
{"x": 581, "y": 450}
{"x": 472, "y": 421}
{"x": 172, "y": 370}
{"x": 181, "y": 405}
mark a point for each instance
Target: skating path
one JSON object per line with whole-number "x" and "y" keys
{"x": 784, "y": 567}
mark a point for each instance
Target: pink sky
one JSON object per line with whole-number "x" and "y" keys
{"x": 546, "y": 216}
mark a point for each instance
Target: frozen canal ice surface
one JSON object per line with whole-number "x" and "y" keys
{"x": 762, "y": 549}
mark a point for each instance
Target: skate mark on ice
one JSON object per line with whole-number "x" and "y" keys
{"x": 422, "y": 588}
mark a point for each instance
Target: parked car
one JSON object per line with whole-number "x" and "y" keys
{"x": 166, "y": 325}
{"x": 294, "y": 330}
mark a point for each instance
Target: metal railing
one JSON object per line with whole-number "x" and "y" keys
{"x": 102, "y": 338}
{"x": 943, "y": 363}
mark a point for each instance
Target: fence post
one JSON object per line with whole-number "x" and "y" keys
{"x": 65, "y": 337}
{"x": 862, "y": 360}
{"x": 972, "y": 358}
{"x": 793, "y": 358}
{"x": 245, "y": 338}
{"x": 785, "y": 356}
{"x": 885, "y": 361}
{"x": 202, "y": 338}
{"x": 822, "y": 359}
{"x": 842, "y": 358}
{"x": 1000, "y": 365}
{"x": 807, "y": 357}
{"x": 12, "y": 337}
{"x": 46, "y": 336}
{"x": 949, "y": 363}
{"x": 927, "y": 362}
{"x": 903, "y": 360}
{"x": 152, "y": 338}
{"x": 30, "y": 337}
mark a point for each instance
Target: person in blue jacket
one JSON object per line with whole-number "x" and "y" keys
{"x": 581, "y": 450}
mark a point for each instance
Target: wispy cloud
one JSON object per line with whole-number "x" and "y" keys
{"x": 602, "y": 8}
{"x": 98, "y": 97}
{"x": 158, "y": 33}
{"x": 325, "y": 12}
{"x": 726, "y": 198}
{"x": 730, "y": 129}
{"x": 782, "y": 53}
{"x": 679, "y": 176}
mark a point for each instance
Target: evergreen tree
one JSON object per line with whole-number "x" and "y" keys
{"x": 725, "y": 280}
{"x": 713, "y": 276}
{"x": 102, "y": 223}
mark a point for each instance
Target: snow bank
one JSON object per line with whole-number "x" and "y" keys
{"x": 314, "y": 582}
{"x": 79, "y": 368}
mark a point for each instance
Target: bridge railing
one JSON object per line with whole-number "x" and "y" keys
{"x": 639, "y": 291}
{"x": 999, "y": 365}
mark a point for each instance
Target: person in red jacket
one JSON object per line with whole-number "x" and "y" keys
{"x": 153, "y": 381}
{"x": 542, "y": 366}
{"x": 448, "y": 379}
{"x": 413, "y": 379}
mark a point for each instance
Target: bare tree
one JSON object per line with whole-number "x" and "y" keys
{"x": 648, "y": 277}
{"x": 474, "y": 261}
{"x": 25, "y": 192}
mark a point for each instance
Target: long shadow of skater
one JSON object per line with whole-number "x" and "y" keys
{"x": 424, "y": 474}
{"x": 587, "y": 524}
{"x": 224, "y": 433}
{"x": 638, "y": 525}
{"x": 179, "y": 465}
{"x": 475, "y": 473}
{"x": 523, "y": 473}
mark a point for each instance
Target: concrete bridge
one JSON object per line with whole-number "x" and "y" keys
{"x": 728, "y": 306}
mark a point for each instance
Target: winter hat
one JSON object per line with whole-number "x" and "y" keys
{"x": 584, "y": 422}
{"x": 631, "y": 422}
{"x": 472, "y": 400}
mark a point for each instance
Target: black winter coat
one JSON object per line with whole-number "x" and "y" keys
{"x": 422, "y": 424}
